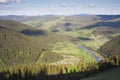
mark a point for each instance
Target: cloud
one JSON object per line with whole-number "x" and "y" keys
{"x": 9, "y": 1}
{"x": 66, "y": 5}
{"x": 63, "y": 5}
{"x": 92, "y": 5}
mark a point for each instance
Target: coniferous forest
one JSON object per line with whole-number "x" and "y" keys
{"x": 44, "y": 71}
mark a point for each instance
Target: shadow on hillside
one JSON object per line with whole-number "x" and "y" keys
{"x": 67, "y": 24}
{"x": 2, "y": 27}
{"x": 33, "y": 32}
{"x": 84, "y": 39}
{"x": 105, "y": 24}
{"x": 108, "y": 17}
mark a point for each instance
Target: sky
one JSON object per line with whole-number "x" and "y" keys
{"x": 59, "y": 7}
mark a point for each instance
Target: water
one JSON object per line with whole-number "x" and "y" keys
{"x": 97, "y": 59}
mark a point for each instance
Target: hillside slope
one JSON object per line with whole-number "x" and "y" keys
{"x": 111, "y": 48}
{"x": 21, "y": 44}
{"x": 16, "y": 48}
{"x": 15, "y": 25}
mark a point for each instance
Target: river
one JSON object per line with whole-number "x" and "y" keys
{"x": 97, "y": 59}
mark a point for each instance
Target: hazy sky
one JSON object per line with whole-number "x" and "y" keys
{"x": 59, "y": 7}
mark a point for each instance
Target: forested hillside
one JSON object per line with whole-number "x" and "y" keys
{"x": 24, "y": 46}
{"x": 15, "y": 25}
{"x": 16, "y": 48}
{"x": 111, "y": 48}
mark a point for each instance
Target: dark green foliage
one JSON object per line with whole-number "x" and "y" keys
{"x": 106, "y": 64}
{"x": 116, "y": 60}
{"x": 84, "y": 38}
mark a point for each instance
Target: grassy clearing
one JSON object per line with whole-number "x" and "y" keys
{"x": 112, "y": 74}
{"x": 68, "y": 48}
{"x": 117, "y": 34}
{"x": 34, "y": 24}
{"x": 96, "y": 41}
{"x": 92, "y": 44}
{"x": 49, "y": 57}
{"x": 50, "y": 24}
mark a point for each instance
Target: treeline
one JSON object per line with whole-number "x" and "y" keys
{"x": 56, "y": 71}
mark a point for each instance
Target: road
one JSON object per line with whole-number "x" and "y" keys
{"x": 97, "y": 59}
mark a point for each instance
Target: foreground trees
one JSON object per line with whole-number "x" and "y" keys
{"x": 57, "y": 72}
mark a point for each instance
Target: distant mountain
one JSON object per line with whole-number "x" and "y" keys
{"x": 23, "y": 18}
{"x": 13, "y": 17}
{"x": 104, "y": 25}
{"x": 49, "y": 22}
{"x": 111, "y": 48}
{"x": 81, "y": 15}
{"x": 106, "y": 28}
